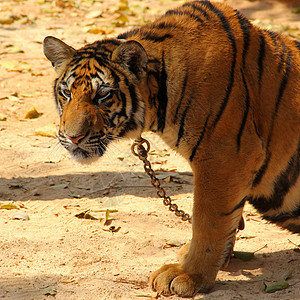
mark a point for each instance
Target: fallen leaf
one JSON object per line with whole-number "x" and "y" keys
{"x": 3, "y": 117}
{"x": 17, "y": 186}
{"x": 242, "y": 255}
{"x": 15, "y": 66}
{"x": 30, "y": 94}
{"x": 6, "y": 21}
{"x": 122, "y": 156}
{"x": 82, "y": 187}
{"x": 171, "y": 244}
{"x": 278, "y": 286}
{"x": 9, "y": 206}
{"x": 166, "y": 175}
{"x": 21, "y": 215}
{"x": 121, "y": 20}
{"x": 60, "y": 186}
{"x": 85, "y": 215}
{"x": 161, "y": 153}
{"x": 246, "y": 256}
{"x": 14, "y": 49}
{"x": 93, "y": 14}
{"x": 113, "y": 229}
{"x": 48, "y": 131}
{"x": 76, "y": 196}
{"x": 32, "y": 113}
{"x": 96, "y": 30}
{"x": 50, "y": 292}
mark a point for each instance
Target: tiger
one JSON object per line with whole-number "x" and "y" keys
{"x": 221, "y": 92}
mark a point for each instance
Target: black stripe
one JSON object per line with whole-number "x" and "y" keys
{"x": 124, "y": 103}
{"x": 294, "y": 228}
{"x": 261, "y": 56}
{"x": 114, "y": 42}
{"x": 281, "y": 90}
{"x": 238, "y": 206}
{"x": 199, "y": 139}
{"x": 162, "y": 98}
{"x": 282, "y": 55}
{"x": 183, "y": 13}
{"x": 57, "y": 99}
{"x": 230, "y": 35}
{"x": 261, "y": 172}
{"x": 282, "y": 217}
{"x": 128, "y": 34}
{"x": 282, "y": 185}
{"x": 247, "y": 105}
{"x": 182, "y": 120}
{"x": 115, "y": 77}
{"x": 130, "y": 125}
{"x": 134, "y": 99}
{"x": 297, "y": 45}
{"x": 165, "y": 25}
{"x": 245, "y": 26}
{"x": 197, "y": 8}
{"x": 156, "y": 38}
{"x": 181, "y": 97}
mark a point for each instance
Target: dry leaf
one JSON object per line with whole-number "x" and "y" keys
{"x": 93, "y": 14}
{"x": 3, "y": 117}
{"x": 15, "y": 66}
{"x": 121, "y": 157}
{"x": 21, "y": 215}
{"x": 50, "y": 292}
{"x": 9, "y": 206}
{"x": 171, "y": 244}
{"x": 32, "y": 114}
{"x": 60, "y": 186}
{"x": 278, "y": 286}
{"x": 96, "y": 30}
{"x": 113, "y": 229}
{"x": 242, "y": 255}
{"x": 6, "y": 21}
{"x": 121, "y": 20}
{"x": 48, "y": 131}
{"x": 85, "y": 215}
{"x": 30, "y": 94}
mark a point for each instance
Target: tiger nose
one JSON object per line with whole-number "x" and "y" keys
{"x": 76, "y": 139}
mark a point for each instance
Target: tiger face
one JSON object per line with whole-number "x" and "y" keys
{"x": 97, "y": 103}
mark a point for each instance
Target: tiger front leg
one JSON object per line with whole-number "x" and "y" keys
{"x": 216, "y": 218}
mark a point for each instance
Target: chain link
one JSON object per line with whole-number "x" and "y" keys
{"x": 141, "y": 152}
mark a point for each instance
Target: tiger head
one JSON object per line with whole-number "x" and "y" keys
{"x": 99, "y": 93}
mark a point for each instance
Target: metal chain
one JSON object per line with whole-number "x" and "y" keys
{"x": 141, "y": 152}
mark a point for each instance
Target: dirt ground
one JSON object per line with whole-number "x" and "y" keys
{"x": 57, "y": 255}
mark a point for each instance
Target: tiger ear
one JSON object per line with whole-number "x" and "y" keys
{"x": 131, "y": 56}
{"x": 57, "y": 51}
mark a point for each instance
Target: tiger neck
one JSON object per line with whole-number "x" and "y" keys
{"x": 158, "y": 97}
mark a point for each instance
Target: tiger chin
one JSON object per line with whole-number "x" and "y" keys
{"x": 221, "y": 92}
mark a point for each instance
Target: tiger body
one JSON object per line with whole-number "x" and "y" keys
{"x": 218, "y": 90}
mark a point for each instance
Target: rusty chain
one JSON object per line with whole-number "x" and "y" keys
{"x": 141, "y": 152}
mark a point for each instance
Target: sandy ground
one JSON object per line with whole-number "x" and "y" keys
{"x": 57, "y": 255}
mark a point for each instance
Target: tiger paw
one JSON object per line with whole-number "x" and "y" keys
{"x": 172, "y": 279}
